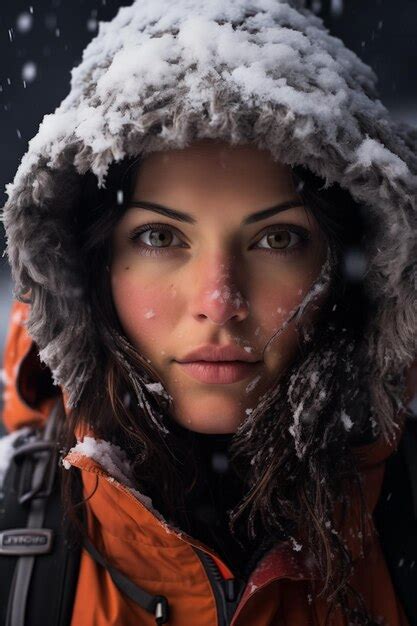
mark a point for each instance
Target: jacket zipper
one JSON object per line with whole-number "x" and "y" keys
{"x": 227, "y": 592}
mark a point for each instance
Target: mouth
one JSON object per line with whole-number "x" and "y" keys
{"x": 218, "y": 372}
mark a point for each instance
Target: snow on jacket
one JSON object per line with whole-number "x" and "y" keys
{"x": 159, "y": 76}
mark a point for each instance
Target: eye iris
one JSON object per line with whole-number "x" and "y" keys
{"x": 280, "y": 239}
{"x": 159, "y": 239}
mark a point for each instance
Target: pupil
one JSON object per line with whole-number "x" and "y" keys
{"x": 279, "y": 240}
{"x": 157, "y": 239}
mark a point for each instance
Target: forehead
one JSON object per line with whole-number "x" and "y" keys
{"x": 209, "y": 175}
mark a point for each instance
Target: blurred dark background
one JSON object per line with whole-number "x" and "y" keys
{"x": 42, "y": 41}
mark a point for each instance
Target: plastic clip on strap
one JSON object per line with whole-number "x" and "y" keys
{"x": 157, "y": 605}
{"x": 32, "y": 540}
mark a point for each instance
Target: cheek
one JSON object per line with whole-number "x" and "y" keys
{"x": 142, "y": 309}
{"x": 278, "y": 295}
{"x": 275, "y": 299}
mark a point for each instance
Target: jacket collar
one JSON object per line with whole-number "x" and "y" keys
{"x": 106, "y": 472}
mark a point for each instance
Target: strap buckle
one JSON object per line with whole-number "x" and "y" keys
{"x": 161, "y": 610}
{"x": 43, "y": 454}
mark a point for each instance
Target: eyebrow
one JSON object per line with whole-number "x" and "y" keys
{"x": 186, "y": 217}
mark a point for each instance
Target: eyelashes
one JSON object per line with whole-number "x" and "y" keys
{"x": 298, "y": 238}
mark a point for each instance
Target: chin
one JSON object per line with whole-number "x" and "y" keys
{"x": 209, "y": 425}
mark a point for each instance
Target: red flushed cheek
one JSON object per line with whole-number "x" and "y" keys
{"x": 144, "y": 312}
{"x": 274, "y": 310}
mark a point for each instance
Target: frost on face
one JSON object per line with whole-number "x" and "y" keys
{"x": 225, "y": 295}
{"x": 253, "y": 383}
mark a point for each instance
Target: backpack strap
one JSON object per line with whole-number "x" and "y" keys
{"x": 33, "y": 545}
{"x": 396, "y": 519}
{"x": 33, "y": 540}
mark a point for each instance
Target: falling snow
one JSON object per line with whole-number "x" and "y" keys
{"x": 24, "y": 22}
{"x": 355, "y": 265}
{"x": 92, "y": 25}
{"x": 337, "y": 8}
{"x": 220, "y": 462}
{"x": 29, "y": 72}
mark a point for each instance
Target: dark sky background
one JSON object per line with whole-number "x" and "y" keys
{"x": 42, "y": 41}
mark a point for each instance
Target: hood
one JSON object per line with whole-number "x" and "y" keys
{"x": 161, "y": 75}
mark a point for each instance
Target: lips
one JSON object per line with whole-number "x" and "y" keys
{"x": 220, "y": 372}
{"x": 212, "y": 352}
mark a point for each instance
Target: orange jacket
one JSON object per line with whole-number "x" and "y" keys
{"x": 163, "y": 561}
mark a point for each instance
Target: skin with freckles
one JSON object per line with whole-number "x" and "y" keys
{"x": 179, "y": 285}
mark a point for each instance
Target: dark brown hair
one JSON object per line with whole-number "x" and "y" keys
{"x": 288, "y": 486}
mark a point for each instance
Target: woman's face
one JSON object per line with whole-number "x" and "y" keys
{"x": 214, "y": 276}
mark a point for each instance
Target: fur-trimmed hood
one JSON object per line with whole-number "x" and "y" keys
{"x": 163, "y": 74}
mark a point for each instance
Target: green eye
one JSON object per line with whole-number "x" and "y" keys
{"x": 163, "y": 239}
{"x": 280, "y": 239}
{"x": 158, "y": 236}
{"x": 283, "y": 239}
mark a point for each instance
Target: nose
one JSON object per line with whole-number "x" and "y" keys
{"x": 217, "y": 296}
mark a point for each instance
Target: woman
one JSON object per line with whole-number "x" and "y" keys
{"x": 220, "y": 184}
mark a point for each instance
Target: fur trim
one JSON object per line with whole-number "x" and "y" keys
{"x": 161, "y": 75}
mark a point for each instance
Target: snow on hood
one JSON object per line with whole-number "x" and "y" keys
{"x": 161, "y": 75}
